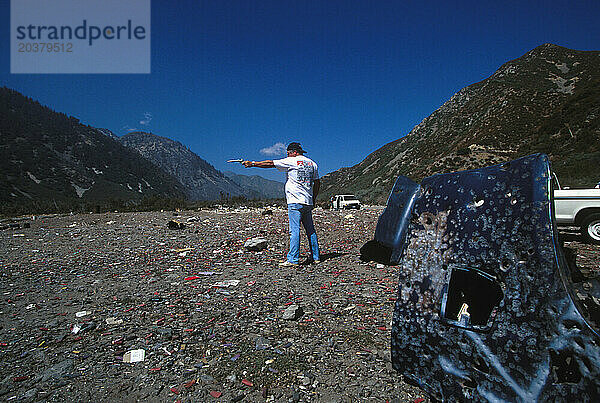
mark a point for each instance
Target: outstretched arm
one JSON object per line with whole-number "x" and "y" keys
{"x": 259, "y": 164}
{"x": 316, "y": 188}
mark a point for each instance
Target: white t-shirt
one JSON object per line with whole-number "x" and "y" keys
{"x": 301, "y": 173}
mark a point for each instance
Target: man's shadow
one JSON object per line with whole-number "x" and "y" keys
{"x": 326, "y": 256}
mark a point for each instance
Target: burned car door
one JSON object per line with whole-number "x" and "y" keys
{"x": 485, "y": 308}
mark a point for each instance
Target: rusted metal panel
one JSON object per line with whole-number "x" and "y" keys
{"x": 485, "y": 308}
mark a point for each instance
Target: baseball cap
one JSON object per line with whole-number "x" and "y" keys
{"x": 295, "y": 147}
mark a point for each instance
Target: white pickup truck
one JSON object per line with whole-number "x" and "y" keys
{"x": 344, "y": 202}
{"x": 578, "y": 207}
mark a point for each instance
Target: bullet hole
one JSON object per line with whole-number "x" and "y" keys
{"x": 427, "y": 220}
{"x": 425, "y": 284}
{"x": 505, "y": 264}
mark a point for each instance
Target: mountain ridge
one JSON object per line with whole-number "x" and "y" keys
{"x": 47, "y": 155}
{"x": 270, "y": 189}
{"x": 198, "y": 177}
{"x": 545, "y": 101}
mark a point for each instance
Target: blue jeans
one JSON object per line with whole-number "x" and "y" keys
{"x": 301, "y": 213}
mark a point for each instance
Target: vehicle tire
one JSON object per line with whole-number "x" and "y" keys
{"x": 590, "y": 228}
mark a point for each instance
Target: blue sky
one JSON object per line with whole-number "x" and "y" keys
{"x": 232, "y": 78}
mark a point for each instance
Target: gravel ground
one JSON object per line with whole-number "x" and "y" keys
{"x": 80, "y": 291}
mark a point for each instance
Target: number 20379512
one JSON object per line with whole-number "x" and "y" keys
{"x": 47, "y": 47}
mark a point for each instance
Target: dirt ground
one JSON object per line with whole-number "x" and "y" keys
{"x": 81, "y": 291}
{"x": 69, "y": 281}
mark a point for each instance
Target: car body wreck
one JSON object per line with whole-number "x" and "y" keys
{"x": 485, "y": 307}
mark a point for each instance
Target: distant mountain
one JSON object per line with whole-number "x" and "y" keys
{"x": 200, "y": 180}
{"x": 45, "y": 155}
{"x": 545, "y": 101}
{"x": 266, "y": 188}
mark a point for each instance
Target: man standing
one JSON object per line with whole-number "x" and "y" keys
{"x": 301, "y": 189}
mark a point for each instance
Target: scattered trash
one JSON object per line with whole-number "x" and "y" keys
{"x": 204, "y": 273}
{"x": 76, "y": 329}
{"x": 226, "y": 283}
{"x": 134, "y": 356}
{"x": 214, "y": 313}
{"x": 113, "y": 321}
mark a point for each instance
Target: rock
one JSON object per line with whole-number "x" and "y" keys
{"x": 293, "y": 312}
{"x": 165, "y": 333}
{"x": 30, "y": 394}
{"x": 206, "y": 379}
{"x": 256, "y": 244}
{"x": 175, "y": 225}
{"x": 261, "y": 343}
{"x": 56, "y": 372}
